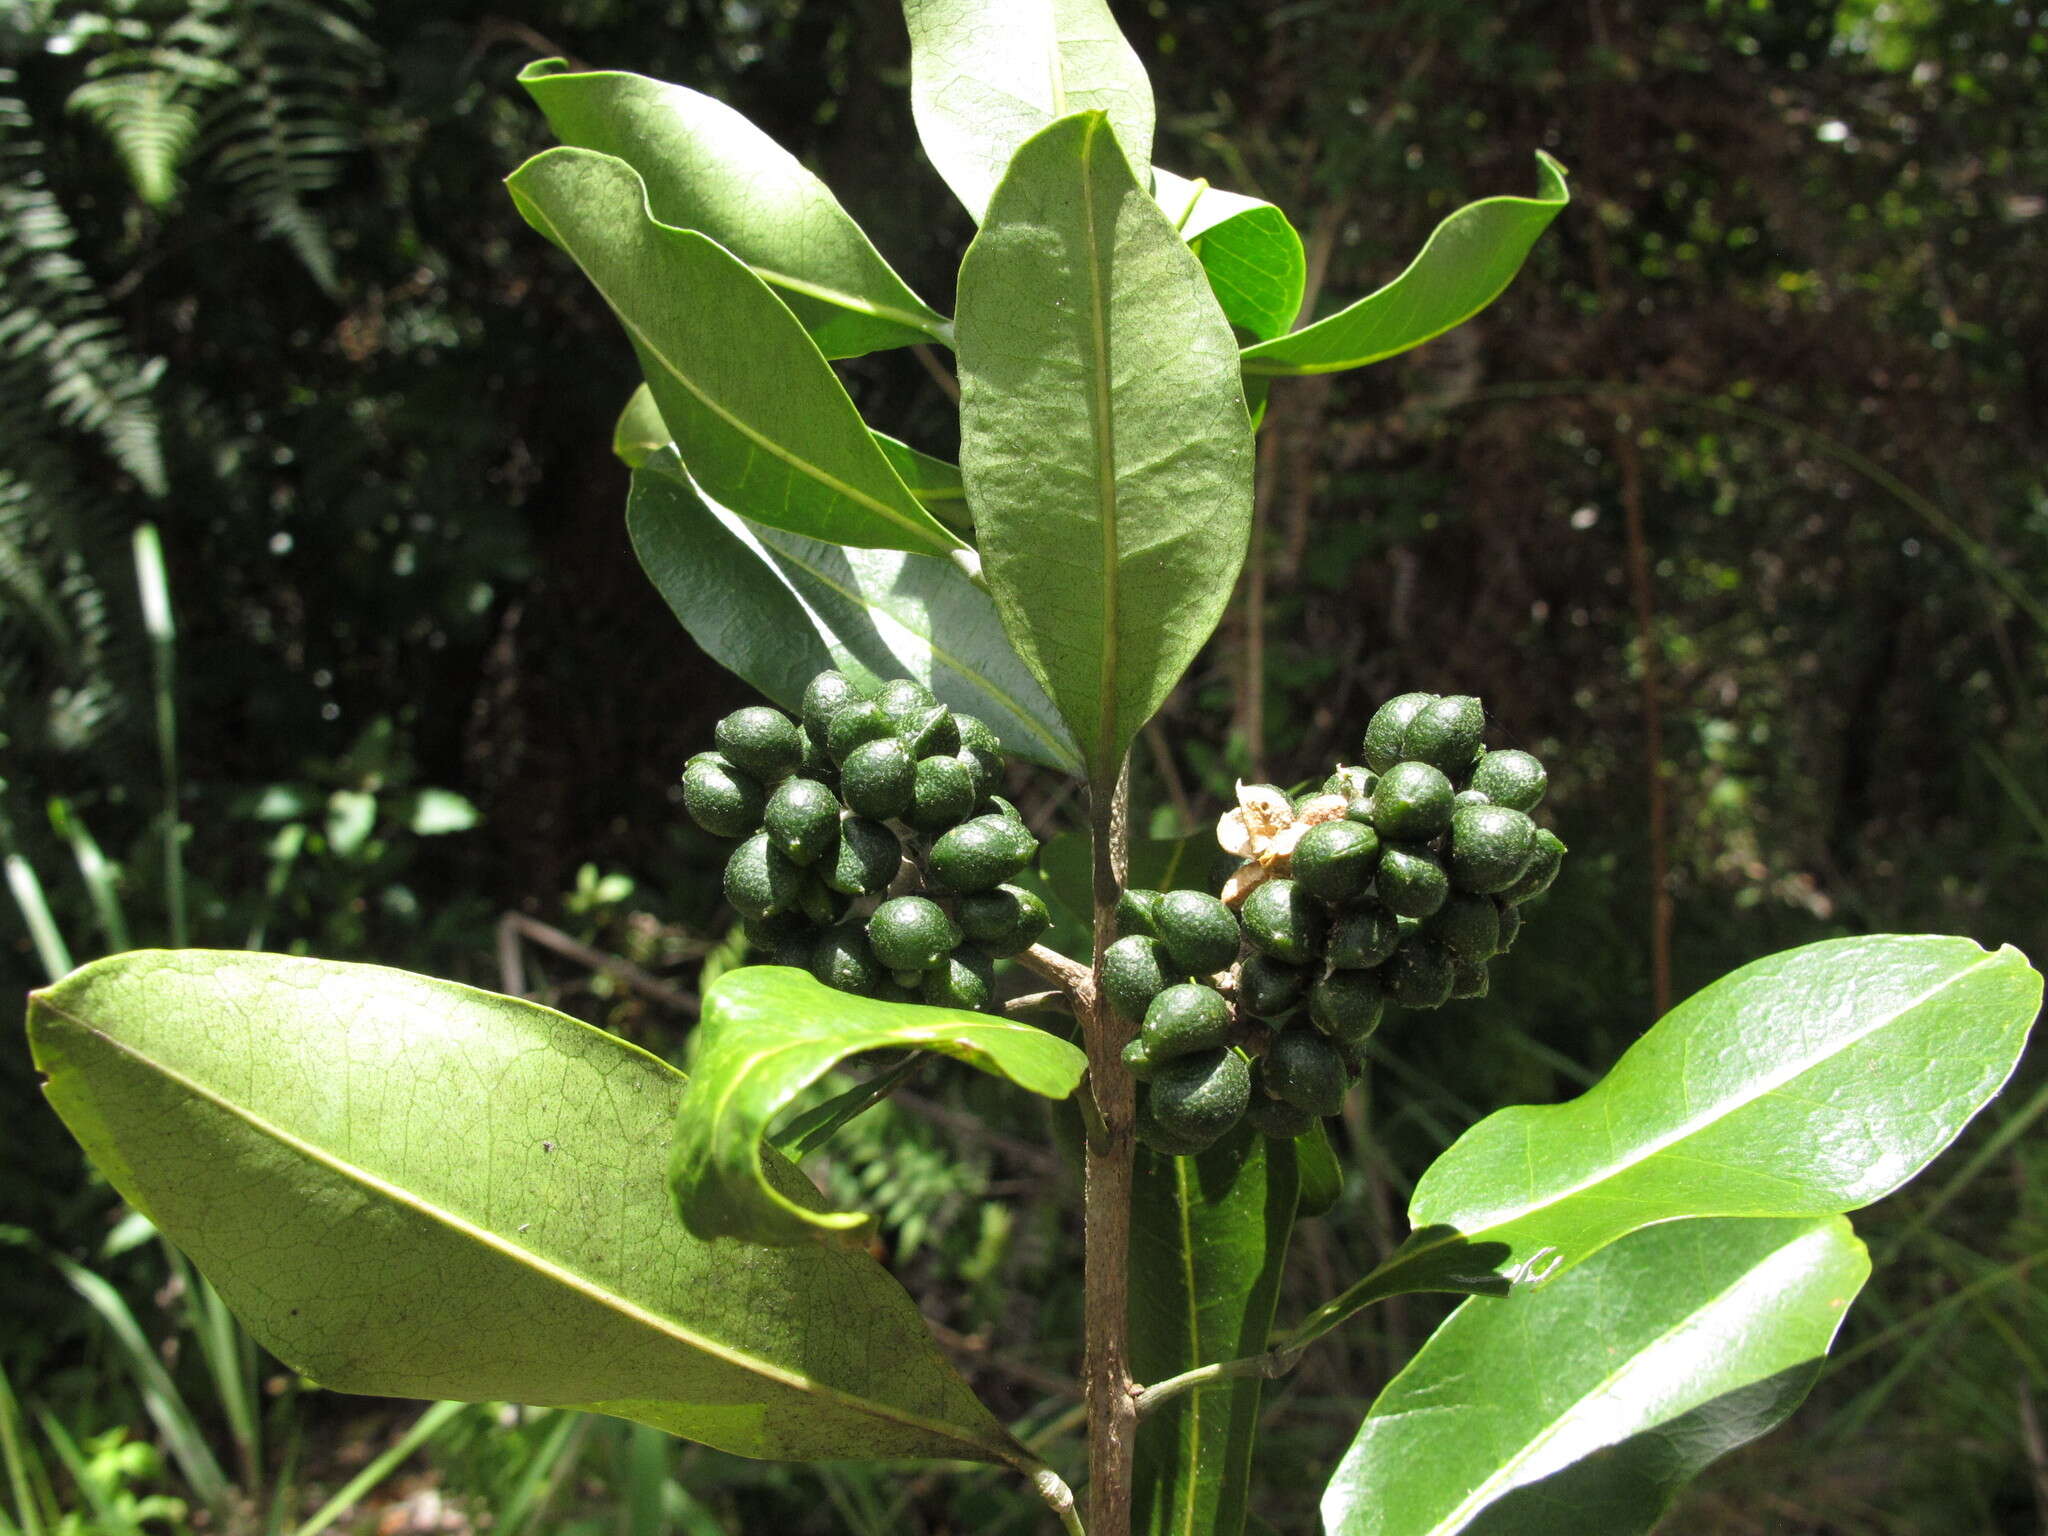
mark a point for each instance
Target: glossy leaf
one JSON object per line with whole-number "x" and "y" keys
{"x": 640, "y": 432}
{"x": 1583, "y": 1408}
{"x": 750, "y": 401}
{"x": 934, "y": 482}
{"x": 769, "y": 1032}
{"x": 708, "y": 169}
{"x": 1808, "y": 1083}
{"x": 778, "y": 609}
{"x": 1251, "y": 252}
{"x": 1104, "y": 441}
{"x": 984, "y": 78}
{"x": 1208, "y": 1241}
{"x": 415, "y": 1189}
{"x": 1466, "y": 263}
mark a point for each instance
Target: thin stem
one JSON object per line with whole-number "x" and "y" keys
{"x": 1069, "y": 975}
{"x": 1270, "y": 1366}
{"x": 157, "y": 619}
{"x": 1106, "y": 1217}
{"x": 1060, "y": 1497}
{"x": 1643, "y": 594}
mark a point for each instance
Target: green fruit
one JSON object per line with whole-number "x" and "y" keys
{"x": 1269, "y": 988}
{"x": 1351, "y": 783}
{"x": 802, "y": 820}
{"x": 1510, "y": 925}
{"x": 1195, "y": 1099}
{"x": 1411, "y": 881}
{"x": 1413, "y": 803}
{"x": 983, "y": 753}
{"x": 1198, "y": 931}
{"x": 1276, "y": 1118}
{"x": 1138, "y": 912}
{"x": 828, "y": 693}
{"x": 1490, "y": 847}
{"x": 1137, "y": 1059}
{"x": 866, "y": 860}
{"x": 1389, "y": 724}
{"x": 1468, "y": 926}
{"x": 1302, "y": 1068}
{"x": 778, "y": 931}
{"x": 1471, "y": 797}
{"x": 1469, "y": 979}
{"x": 929, "y": 732}
{"x": 964, "y": 979}
{"x": 761, "y": 740}
{"x": 1184, "y": 1018}
{"x": 817, "y": 762}
{"x": 820, "y": 903}
{"x": 877, "y": 778}
{"x": 902, "y": 696}
{"x": 1544, "y": 861}
{"x": 1445, "y": 734}
{"x": 1335, "y": 860}
{"x": 1133, "y": 973}
{"x": 1284, "y": 921}
{"x": 978, "y": 855}
{"x": 858, "y": 722}
{"x": 911, "y": 982}
{"x": 843, "y": 959}
{"x": 1161, "y": 1139}
{"x": 1004, "y": 921}
{"x": 1420, "y": 974}
{"x": 1362, "y": 936}
{"x": 911, "y": 933}
{"x": 725, "y": 801}
{"x": 941, "y": 795}
{"x": 996, "y": 805}
{"x": 760, "y": 881}
{"x": 1347, "y": 1006}
{"x": 1511, "y": 778}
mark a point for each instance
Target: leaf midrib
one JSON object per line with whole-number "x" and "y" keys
{"x": 1105, "y": 462}
{"x": 548, "y": 1268}
{"x": 1498, "y": 1483}
{"x": 765, "y": 535}
{"x": 1762, "y": 1088}
{"x": 766, "y": 444}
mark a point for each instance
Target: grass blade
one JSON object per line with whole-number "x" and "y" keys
{"x": 102, "y": 884}
{"x": 425, "y": 1428}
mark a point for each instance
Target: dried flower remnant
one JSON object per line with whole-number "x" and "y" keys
{"x": 1264, "y": 829}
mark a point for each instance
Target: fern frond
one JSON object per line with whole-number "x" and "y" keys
{"x": 147, "y": 104}
{"x": 55, "y": 325}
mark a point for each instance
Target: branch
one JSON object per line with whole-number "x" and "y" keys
{"x": 1070, "y": 976}
{"x": 514, "y": 926}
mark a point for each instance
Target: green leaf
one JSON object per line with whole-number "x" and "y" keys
{"x": 414, "y": 1189}
{"x": 934, "y": 482}
{"x": 752, "y": 404}
{"x": 640, "y": 431}
{"x": 1253, "y": 255}
{"x": 984, "y": 78}
{"x": 1808, "y": 1083}
{"x": 1582, "y": 1408}
{"x": 778, "y": 609}
{"x": 1466, "y": 263}
{"x": 708, "y": 169}
{"x": 1208, "y": 1241}
{"x": 769, "y": 1032}
{"x": 1104, "y": 440}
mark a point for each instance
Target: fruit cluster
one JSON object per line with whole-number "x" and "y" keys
{"x": 1398, "y": 881}
{"x": 875, "y": 849}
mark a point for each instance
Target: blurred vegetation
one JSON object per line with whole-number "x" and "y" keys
{"x": 1733, "y": 508}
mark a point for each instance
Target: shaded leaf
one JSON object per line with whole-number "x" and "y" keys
{"x": 1253, "y": 255}
{"x": 1463, "y": 267}
{"x": 415, "y": 1189}
{"x": 640, "y": 431}
{"x": 1208, "y": 1242}
{"x": 777, "y": 609}
{"x": 708, "y": 169}
{"x": 1584, "y": 1407}
{"x": 769, "y": 1032}
{"x": 1104, "y": 441}
{"x": 984, "y": 78}
{"x": 750, "y": 401}
{"x": 1808, "y": 1083}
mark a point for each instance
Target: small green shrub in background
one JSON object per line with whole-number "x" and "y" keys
{"x": 414, "y": 1188}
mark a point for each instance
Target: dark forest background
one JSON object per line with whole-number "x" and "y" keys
{"x": 1734, "y": 509}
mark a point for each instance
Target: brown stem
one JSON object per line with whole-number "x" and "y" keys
{"x": 1653, "y": 713}
{"x": 514, "y": 926}
{"x": 1112, "y": 1401}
